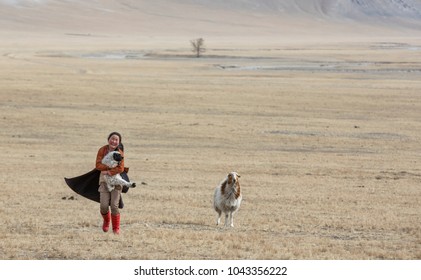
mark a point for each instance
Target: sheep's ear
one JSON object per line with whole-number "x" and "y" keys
{"x": 238, "y": 175}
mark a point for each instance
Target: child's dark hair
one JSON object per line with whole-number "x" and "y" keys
{"x": 120, "y": 145}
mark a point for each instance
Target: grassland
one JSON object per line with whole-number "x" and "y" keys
{"x": 325, "y": 137}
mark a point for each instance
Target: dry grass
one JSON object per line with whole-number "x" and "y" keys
{"x": 326, "y": 139}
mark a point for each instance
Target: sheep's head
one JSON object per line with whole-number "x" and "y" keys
{"x": 233, "y": 177}
{"x": 112, "y": 159}
{"x": 117, "y": 156}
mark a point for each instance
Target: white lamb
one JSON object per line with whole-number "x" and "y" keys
{"x": 112, "y": 159}
{"x": 227, "y": 198}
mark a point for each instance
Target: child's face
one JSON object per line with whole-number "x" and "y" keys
{"x": 114, "y": 141}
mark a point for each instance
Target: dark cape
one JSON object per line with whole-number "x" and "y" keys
{"x": 87, "y": 185}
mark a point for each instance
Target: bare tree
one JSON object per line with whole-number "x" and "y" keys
{"x": 198, "y": 46}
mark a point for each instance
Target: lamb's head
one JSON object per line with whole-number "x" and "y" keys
{"x": 232, "y": 178}
{"x": 112, "y": 159}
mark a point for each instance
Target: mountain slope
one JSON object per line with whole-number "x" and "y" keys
{"x": 212, "y": 17}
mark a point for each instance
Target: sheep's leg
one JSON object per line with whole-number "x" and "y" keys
{"x": 110, "y": 187}
{"x": 227, "y": 218}
{"x": 122, "y": 182}
{"x": 232, "y": 219}
{"x": 108, "y": 184}
{"x": 218, "y": 220}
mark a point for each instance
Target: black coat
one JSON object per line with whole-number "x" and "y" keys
{"x": 87, "y": 185}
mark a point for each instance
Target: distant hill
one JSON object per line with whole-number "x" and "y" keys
{"x": 213, "y": 17}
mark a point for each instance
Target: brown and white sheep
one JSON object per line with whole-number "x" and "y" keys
{"x": 227, "y": 198}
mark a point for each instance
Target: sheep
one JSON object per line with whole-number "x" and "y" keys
{"x": 227, "y": 198}
{"x": 111, "y": 160}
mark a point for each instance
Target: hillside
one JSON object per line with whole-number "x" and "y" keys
{"x": 213, "y": 17}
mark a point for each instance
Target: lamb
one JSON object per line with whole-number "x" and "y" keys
{"x": 227, "y": 198}
{"x": 112, "y": 159}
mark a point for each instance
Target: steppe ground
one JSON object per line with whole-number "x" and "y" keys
{"x": 326, "y": 138}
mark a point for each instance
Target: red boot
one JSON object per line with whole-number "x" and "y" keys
{"x": 107, "y": 219}
{"x": 116, "y": 223}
